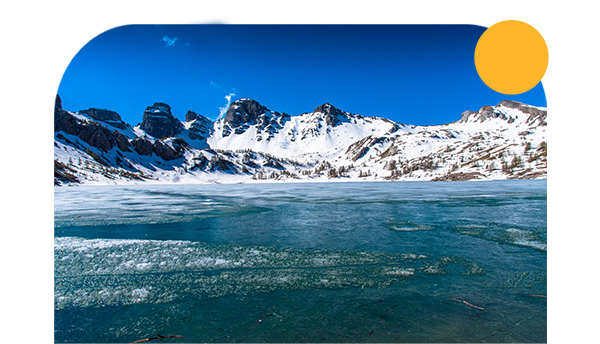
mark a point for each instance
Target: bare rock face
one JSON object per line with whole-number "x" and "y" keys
{"x": 200, "y": 127}
{"x": 57, "y": 103}
{"x": 93, "y": 133}
{"x": 244, "y": 113}
{"x": 159, "y": 122}
{"x": 164, "y": 151}
{"x": 191, "y": 115}
{"x": 63, "y": 121}
{"x": 102, "y": 114}
{"x": 107, "y": 116}
{"x": 142, "y": 146}
{"x": 536, "y": 116}
{"x": 333, "y": 115}
{"x": 485, "y": 113}
{"x": 221, "y": 164}
{"x": 180, "y": 145}
{"x": 97, "y": 136}
{"x": 200, "y": 162}
{"x": 241, "y": 115}
{"x": 122, "y": 142}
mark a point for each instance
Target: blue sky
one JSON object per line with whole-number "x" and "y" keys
{"x": 412, "y": 74}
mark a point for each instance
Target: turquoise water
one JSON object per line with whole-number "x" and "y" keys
{"x": 316, "y": 262}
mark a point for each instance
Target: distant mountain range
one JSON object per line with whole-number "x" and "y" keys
{"x": 252, "y": 143}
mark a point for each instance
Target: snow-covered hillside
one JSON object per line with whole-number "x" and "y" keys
{"x": 252, "y": 143}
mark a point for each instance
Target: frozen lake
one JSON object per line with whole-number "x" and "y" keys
{"x": 306, "y": 262}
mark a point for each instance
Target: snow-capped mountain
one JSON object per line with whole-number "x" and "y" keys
{"x": 252, "y": 143}
{"x": 248, "y": 125}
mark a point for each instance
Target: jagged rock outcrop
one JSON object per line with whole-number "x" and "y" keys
{"x": 122, "y": 142}
{"x": 107, "y": 116}
{"x": 333, "y": 116}
{"x": 142, "y": 146}
{"x": 180, "y": 145}
{"x": 159, "y": 122}
{"x": 57, "y": 104}
{"x": 64, "y": 121}
{"x": 199, "y": 162}
{"x": 200, "y": 127}
{"x": 485, "y": 113}
{"x": 222, "y": 165}
{"x": 536, "y": 116}
{"x": 191, "y": 116}
{"x": 165, "y": 152}
{"x": 244, "y": 113}
{"x": 96, "y": 136}
{"x": 93, "y": 133}
{"x": 327, "y": 143}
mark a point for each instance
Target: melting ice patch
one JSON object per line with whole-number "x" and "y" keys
{"x": 97, "y": 272}
{"x": 407, "y": 227}
{"x": 507, "y": 235}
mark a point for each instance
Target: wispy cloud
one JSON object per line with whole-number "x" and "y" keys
{"x": 223, "y": 110}
{"x": 169, "y": 42}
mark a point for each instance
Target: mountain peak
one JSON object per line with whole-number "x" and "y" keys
{"x": 333, "y": 115}
{"x": 327, "y": 109}
{"x": 257, "y": 143}
{"x": 159, "y": 122}
{"x": 244, "y": 110}
{"x": 487, "y": 112}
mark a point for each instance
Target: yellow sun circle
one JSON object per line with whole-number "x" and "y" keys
{"x": 511, "y": 57}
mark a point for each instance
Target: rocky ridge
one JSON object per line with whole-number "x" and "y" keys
{"x": 251, "y": 142}
{"x": 159, "y": 122}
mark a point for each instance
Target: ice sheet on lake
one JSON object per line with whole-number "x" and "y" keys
{"x": 100, "y": 206}
{"x": 97, "y": 272}
{"x": 505, "y": 234}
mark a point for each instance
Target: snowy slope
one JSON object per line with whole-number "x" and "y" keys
{"x": 252, "y": 143}
{"x": 301, "y": 135}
